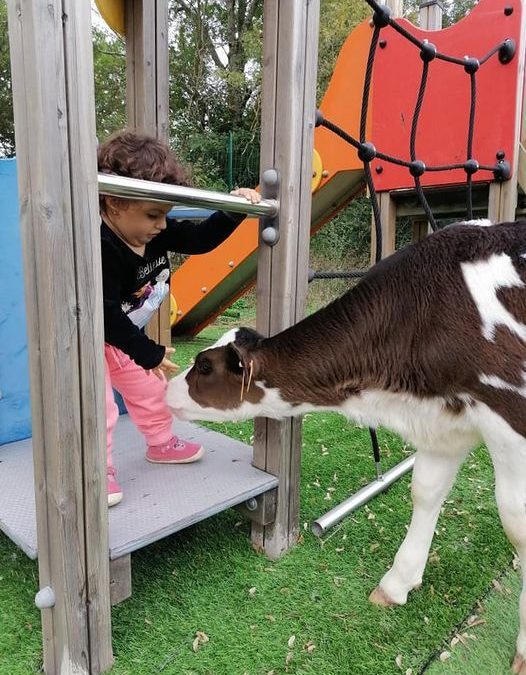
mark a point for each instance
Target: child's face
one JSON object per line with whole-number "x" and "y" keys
{"x": 137, "y": 222}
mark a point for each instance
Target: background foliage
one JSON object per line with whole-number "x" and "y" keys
{"x": 215, "y": 86}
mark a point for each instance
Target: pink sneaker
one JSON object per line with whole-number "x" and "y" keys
{"x": 175, "y": 451}
{"x": 114, "y": 489}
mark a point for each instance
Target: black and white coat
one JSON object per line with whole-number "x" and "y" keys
{"x": 432, "y": 344}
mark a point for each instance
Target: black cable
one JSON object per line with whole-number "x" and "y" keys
{"x": 471, "y": 131}
{"x": 418, "y": 108}
{"x": 393, "y": 160}
{"x": 418, "y": 168}
{"x": 447, "y": 167}
{"x": 374, "y": 443}
{"x": 367, "y": 152}
{"x": 483, "y": 60}
{"x": 389, "y": 158}
{"x": 472, "y": 109}
{"x": 425, "y": 204}
{"x": 340, "y": 132}
{"x": 376, "y": 212}
{"x": 469, "y": 196}
{"x": 380, "y": 11}
{"x": 367, "y": 82}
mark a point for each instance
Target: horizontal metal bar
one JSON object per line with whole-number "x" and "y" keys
{"x": 338, "y": 513}
{"x": 133, "y": 188}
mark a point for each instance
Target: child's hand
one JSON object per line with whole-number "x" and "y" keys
{"x": 248, "y": 193}
{"x": 166, "y": 367}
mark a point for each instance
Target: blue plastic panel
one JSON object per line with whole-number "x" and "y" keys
{"x": 15, "y": 413}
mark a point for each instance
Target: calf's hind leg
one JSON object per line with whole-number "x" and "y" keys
{"x": 508, "y": 453}
{"x": 433, "y": 475}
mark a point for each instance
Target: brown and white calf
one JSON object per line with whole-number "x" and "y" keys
{"x": 431, "y": 343}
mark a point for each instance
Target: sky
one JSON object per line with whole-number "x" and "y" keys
{"x": 96, "y": 18}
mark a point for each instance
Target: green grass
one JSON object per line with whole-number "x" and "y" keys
{"x": 207, "y": 578}
{"x": 486, "y": 636}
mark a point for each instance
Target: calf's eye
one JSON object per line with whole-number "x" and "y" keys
{"x": 204, "y": 367}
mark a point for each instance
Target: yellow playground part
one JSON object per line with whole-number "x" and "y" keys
{"x": 173, "y": 310}
{"x": 205, "y": 285}
{"x": 112, "y": 11}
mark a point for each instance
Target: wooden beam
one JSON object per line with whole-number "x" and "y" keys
{"x": 260, "y": 509}
{"x": 521, "y": 168}
{"x": 288, "y": 105}
{"x": 396, "y": 7}
{"x": 147, "y": 96}
{"x": 503, "y": 196}
{"x": 120, "y": 579}
{"x": 52, "y": 74}
{"x": 430, "y": 14}
{"x": 420, "y": 229}
{"x": 147, "y": 66}
{"x": 388, "y": 217}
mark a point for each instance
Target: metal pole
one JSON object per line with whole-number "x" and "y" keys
{"x": 133, "y": 188}
{"x": 230, "y": 160}
{"x": 338, "y": 513}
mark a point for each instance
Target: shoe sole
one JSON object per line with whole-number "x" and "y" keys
{"x": 189, "y": 460}
{"x": 114, "y": 498}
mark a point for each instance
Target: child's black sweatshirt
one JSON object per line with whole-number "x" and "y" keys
{"x": 134, "y": 285}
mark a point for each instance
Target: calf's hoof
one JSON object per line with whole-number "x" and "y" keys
{"x": 518, "y": 667}
{"x": 379, "y": 597}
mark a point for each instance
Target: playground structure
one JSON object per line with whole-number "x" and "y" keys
{"x": 59, "y": 218}
{"x": 203, "y": 286}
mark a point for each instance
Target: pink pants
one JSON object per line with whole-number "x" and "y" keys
{"x": 144, "y": 396}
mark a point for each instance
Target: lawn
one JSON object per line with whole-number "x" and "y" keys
{"x": 204, "y": 603}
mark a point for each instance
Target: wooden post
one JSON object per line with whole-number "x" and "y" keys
{"x": 147, "y": 95}
{"x": 396, "y": 7}
{"x": 120, "y": 579}
{"x": 52, "y": 72}
{"x": 430, "y": 14}
{"x": 287, "y": 135}
{"x": 503, "y": 196}
{"x": 388, "y": 217}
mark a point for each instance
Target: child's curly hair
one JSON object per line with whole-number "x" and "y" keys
{"x": 137, "y": 155}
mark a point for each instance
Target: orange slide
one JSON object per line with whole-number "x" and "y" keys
{"x": 205, "y": 285}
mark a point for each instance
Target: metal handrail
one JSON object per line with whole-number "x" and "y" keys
{"x": 133, "y": 188}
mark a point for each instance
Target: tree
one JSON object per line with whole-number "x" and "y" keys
{"x": 109, "y": 62}
{"x": 337, "y": 20}
{"x": 110, "y": 85}
{"x": 215, "y": 56}
{"x": 453, "y": 10}
{"x": 7, "y": 127}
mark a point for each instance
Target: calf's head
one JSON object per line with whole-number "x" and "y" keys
{"x": 223, "y": 383}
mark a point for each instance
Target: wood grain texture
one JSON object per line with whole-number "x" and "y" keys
{"x": 51, "y": 57}
{"x": 288, "y": 105}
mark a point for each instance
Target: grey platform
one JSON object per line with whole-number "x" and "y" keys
{"x": 158, "y": 499}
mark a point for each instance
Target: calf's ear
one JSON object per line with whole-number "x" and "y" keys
{"x": 241, "y": 360}
{"x": 234, "y": 363}
{"x": 248, "y": 338}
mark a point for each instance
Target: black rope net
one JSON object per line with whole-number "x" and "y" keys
{"x": 417, "y": 167}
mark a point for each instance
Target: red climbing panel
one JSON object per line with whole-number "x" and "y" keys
{"x": 443, "y": 127}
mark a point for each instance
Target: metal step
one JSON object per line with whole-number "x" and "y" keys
{"x": 158, "y": 499}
